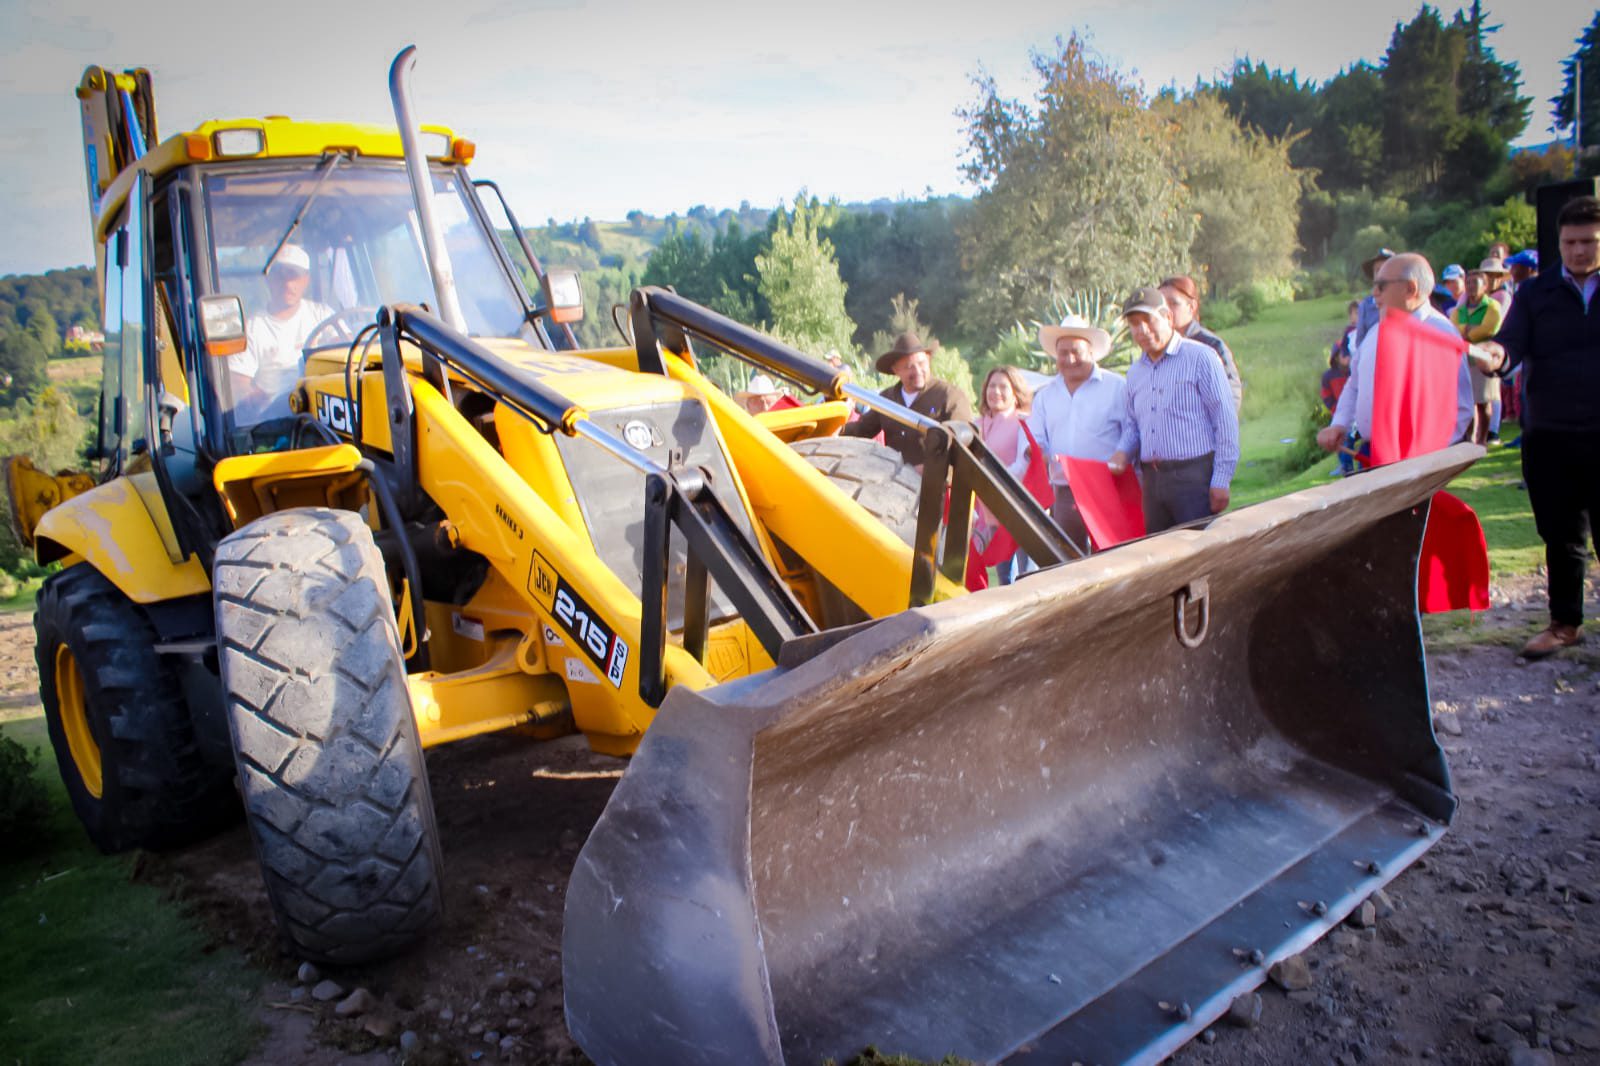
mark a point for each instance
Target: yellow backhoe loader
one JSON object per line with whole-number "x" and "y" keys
{"x": 360, "y": 493}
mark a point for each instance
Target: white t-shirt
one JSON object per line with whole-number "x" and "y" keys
{"x": 273, "y": 345}
{"x": 271, "y": 358}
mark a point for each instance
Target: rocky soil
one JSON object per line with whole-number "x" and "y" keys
{"x": 1487, "y": 951}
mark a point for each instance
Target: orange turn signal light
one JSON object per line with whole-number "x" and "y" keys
{"x": 463, "y": 150}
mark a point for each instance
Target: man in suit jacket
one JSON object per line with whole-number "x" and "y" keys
{"x": 917, "y": 389}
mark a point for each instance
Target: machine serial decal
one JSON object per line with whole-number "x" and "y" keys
{"x": 511, "y": 523}
{"x": 337, "y": 413}
{"x": 587, "y": 630}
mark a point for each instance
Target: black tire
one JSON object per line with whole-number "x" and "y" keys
{"x": 879, "y": 479}
{"x": 330, "y": 763}
{"x": 119, "y": 723}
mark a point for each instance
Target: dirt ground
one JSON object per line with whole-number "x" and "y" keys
{"x": 1487, "y": 951}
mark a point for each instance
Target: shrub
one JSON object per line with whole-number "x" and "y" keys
{"x": 24, "y": 804}
{"x": 1220, "y": 314}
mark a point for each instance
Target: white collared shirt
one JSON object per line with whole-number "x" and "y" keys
{"x": 1085, "y": 424}
{"x": 1355, "y": 402}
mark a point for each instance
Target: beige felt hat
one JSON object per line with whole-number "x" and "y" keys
{"x": 1075, "y": 326}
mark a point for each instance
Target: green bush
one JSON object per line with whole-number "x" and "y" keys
{"x": 1220, "y": 314}
{"x": 24, "y": 805}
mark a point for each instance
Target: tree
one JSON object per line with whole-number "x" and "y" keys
{"x": 912, "y": 249}
{"x": 1243, "y": 189}
{"x": 1450, "y": 106}
{"x": 799, "y": 280}
{"x": 1346, "y": 144}
{"x": 1076, "y": 190}
{"x": 1420, "y": 99}
{"x": 1274, "y": 102}
{"x": 1573, "y": 95}
{"x": 22, "y": 364}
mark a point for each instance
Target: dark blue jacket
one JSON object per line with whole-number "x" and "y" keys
{"x": 1556, "y": 339}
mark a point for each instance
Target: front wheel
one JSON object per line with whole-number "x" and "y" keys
{"x": 880, "y": 480}
{"x": 118, "y": 721}
{"x": 330, "y": 762}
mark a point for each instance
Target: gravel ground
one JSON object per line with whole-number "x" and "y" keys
{"x": 1486, "y": 951}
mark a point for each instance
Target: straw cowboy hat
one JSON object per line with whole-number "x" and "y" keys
{"x": 1492, "y": 265}
{"x": 904, "y": 345}
{"x": 760, "y": 385}
{"x": 1075, "y": 326}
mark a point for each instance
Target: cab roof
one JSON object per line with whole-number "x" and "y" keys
{"x": 274, "y": 137}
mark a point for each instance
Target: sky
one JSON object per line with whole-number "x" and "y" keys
{"x": 592, "y": 109}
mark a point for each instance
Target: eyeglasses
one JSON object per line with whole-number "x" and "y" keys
{"x": 1379, "y": 284}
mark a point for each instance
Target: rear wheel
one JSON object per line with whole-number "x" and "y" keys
{"x": 330, "y": 762}
{"x": 880, "y": 480}
{"x": 118, "y": 721}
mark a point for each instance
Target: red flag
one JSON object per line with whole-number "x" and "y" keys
{"x": 1413, "y": 388}
{"x": 1002, "y": 546}
{"x": 1453, "y": 571}
{"x": 784, "y": 402}
{"x": 1111, "y": 504}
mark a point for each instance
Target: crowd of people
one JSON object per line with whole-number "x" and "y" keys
{"x": 1532, "y": 331}
{"x": 1174, "y": 417}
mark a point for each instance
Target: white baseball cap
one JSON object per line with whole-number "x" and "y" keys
{"x": 292, "y": 255}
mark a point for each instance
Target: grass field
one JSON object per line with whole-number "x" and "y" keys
{"x": 101, "y": 970}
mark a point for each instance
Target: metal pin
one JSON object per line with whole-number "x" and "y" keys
{"x": 1180, "y": 1011}
{"x": 1319, "y": 908}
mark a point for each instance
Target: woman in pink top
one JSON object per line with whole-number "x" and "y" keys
{"x": 1004, "y": 404}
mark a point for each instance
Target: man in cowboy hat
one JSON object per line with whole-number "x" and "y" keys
{"x": 759, "y": 395}
{"x": 1180, "y": 422}
{"x": 1079, "y": 412}
{"x": 917, "y": 389}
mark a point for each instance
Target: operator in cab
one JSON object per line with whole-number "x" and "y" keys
{"x": 264, "y": 373}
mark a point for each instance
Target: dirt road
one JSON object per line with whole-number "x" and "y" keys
{"x": 1485, "y": 952}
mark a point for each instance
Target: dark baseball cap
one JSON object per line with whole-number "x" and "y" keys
{"x": 1146, "y": 298}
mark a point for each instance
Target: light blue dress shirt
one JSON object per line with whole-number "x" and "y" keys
{"x": 1085, "y": 424}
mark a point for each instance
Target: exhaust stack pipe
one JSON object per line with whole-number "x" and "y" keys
{"x": 444, "y": 279}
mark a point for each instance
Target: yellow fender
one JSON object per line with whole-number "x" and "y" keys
{"x": 110, "y": 528}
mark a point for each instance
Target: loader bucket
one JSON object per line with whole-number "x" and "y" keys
{"x": 1051, "y": 822}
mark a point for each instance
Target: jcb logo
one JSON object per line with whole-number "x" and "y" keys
{"x": 337, "y": 413}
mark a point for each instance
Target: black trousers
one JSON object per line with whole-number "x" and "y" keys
{"x": 1064, "y": 509}
{"x": 1563, "y": 475}
{"x": 1176, "y": 492}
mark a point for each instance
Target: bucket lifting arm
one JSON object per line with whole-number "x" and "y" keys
{"x": 957, "y": 458}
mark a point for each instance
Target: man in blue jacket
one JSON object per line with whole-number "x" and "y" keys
{"x": 1553, "y": 333}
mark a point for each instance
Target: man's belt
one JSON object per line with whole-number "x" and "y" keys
{"x": 1177, "y": 464}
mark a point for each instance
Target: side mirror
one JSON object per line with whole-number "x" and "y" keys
{"x": 222, "y": 325}
{"x": 563, "y": 296}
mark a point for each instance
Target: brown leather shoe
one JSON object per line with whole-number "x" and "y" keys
{"x": 1551, "y": 640}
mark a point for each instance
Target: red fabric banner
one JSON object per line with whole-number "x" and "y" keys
{"x": 1453, "y": 571}
{"x": 1413, "y": 388}
{"x": 1002, "y": 546}
{"x": 784, "y": 402}
{"x": 1111, "y": 504}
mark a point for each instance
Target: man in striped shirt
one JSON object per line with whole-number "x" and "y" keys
{"x": 1180, "y": 422}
